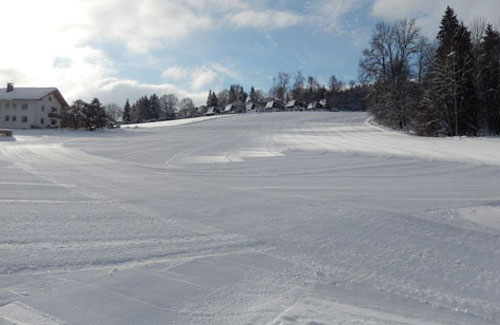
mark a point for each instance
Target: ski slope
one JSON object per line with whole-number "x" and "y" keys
{"x": 278, "y": 218}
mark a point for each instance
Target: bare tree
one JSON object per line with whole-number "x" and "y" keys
{"x": 280, "y": 87}
{"x": 169, "y": 104}
{"x": 186, "y": 106}
{"x": 113, "y": 111}
{"x": 389, "y": 64}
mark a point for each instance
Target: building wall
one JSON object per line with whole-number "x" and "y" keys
{"x": 29, "y": 113}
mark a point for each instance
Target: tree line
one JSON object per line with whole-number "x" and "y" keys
{"x": 450, "y": 86}
{"x": 286, "y": 87}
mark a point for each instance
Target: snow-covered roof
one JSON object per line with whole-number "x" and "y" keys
{"x": 293, "y": 103}
{"x": 270, "y": 104}
{"x": 25, "y": 93}
{"x": 30, "y": 93}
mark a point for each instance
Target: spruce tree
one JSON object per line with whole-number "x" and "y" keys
{"x": 126, "y": 112}
{"x": 466, "y": 92}
{"x": 154, "y": 107}
{"x": 209, "y": 98}
{"x": 490, "y": 79}
{"x": 447, "y": 33}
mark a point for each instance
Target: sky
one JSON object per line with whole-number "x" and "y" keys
{"x": 119, "y": 49}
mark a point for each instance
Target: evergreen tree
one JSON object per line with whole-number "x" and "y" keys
{"x": 466, "y": 91}
{"x": 447, "y": 32}
{"x": 209, "y": 98}
{"x": 252, "y": 95}
{"x": 450, "y": 74}
{"x": 154, "y": 107}
{"x": 126, "y": 112}
{"x": 490, "y": 79}
{"x": 212, "y": 99}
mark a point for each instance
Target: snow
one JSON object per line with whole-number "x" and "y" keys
{"x": 484, "y": 215}
{"x": 278, "y": 218}
{"x": 170, "y": 122}
{"x": 25, "y": 93}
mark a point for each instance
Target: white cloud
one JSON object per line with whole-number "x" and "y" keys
{"x": 268, "y": 19}
{"x": 202, "y": 77}
{"x": 230, "y": 72}
{"x": 114, "y": 90}
{"x": 44, "y": 45}
{"x": 175, "y": 73}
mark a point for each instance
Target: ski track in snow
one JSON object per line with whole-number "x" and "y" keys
{"x": 279, "y": 218}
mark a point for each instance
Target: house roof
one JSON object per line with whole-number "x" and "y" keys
{"x": 212, "y": 109}
{"x": 270, "y": 104}
{"x": 293, "y": 103}
{"x": 24, "y": 93}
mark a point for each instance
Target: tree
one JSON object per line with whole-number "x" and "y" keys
{"x": 86, "y": 115}
{"x": 298, "y": 86}
{"x": 236, "y": 94}
{"x": 389, "y": 64}
{"x": 452, "y": 86}
{"x": 168, "y": 103}
{"x": 212, "y": 99}
{"x": 126, "y": 112}
{"x": 490, "y": 78}
{"x": 335, "y": 84}
{"x": 446, "y": 36}
{"x": 154, "y": 108}
{"x": 186, "y": 106}
{"x": 253, "y": 95}
{"x": 141, "y": 111}
{"x": 256, "y": 96}
{"x": 466, "y": 95}
{"x": 114, "y": 112}
{"x": 279, "y": 90}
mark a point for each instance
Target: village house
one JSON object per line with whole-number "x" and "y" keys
{"x": 250, "y": 107}
{"x": 25, "y": 108}
{"x": 212, "y": 110}
{"x": 295, "y": 105}
{"x": 322, "y": 104}
{"x": 273, "y": 106}
{"x": 234, "y": 108}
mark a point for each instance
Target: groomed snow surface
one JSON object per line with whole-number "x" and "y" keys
{"x": 280, "y": 218}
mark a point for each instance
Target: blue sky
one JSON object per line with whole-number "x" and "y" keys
{"x": 119, "y": 49}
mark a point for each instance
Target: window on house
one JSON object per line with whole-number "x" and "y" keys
{"x": 7, "y": 105}
{"x": 14, "y": 118}
{"x": 54, "y": 110}
{"x": 7, "y": 118}
{"x": 14, "y": 105}
{"x": 53, "y": 122}
{"x": 43, "y": 108}
{"x": 41, "y": 121}
{"x": 50, "y": 98}
{"x": 24, "y": 119}
{"x": 25, "y": 106}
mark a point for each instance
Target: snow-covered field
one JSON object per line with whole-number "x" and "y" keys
{"x": 279, "y": 218}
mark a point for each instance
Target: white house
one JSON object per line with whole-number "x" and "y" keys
{"x": 25, "y": 108}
